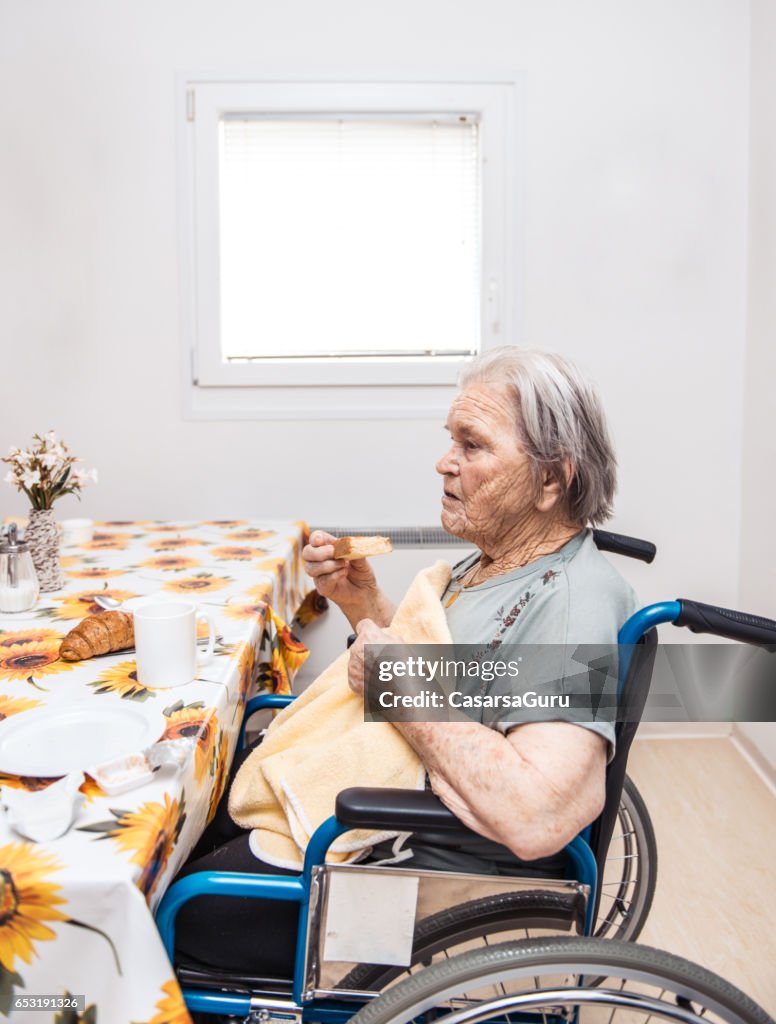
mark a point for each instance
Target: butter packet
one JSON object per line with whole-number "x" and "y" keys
{"x": 134, "y": 770}
{"x": 123, "y": 774}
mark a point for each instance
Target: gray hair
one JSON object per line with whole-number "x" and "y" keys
{"x": 560, "y": 422}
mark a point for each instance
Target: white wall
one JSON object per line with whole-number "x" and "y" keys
{"x": 758, "y": 741}
{"x": 632, "y": 249}
{"x": 758, "y": 536}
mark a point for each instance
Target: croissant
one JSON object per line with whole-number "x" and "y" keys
{"x": 98, "y": 634}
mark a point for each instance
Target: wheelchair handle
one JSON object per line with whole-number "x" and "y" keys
{"x": 728, "y": 623}
{"x": 619, "y": 544}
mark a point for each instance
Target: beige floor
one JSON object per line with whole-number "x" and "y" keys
{"x": 715, "y": 821}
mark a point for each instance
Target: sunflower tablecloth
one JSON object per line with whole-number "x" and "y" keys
{"x": 76, "y": 912}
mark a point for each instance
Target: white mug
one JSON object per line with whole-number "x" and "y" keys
{"x": 166, "y": 642}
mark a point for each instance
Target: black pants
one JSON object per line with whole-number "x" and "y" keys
{"x": 243, "y": 934}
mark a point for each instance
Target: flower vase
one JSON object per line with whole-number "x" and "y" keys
{"x": 42, "y": 537}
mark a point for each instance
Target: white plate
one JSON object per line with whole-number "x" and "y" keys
{"x": 55, "y": 741}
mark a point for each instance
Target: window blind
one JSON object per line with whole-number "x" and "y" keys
{"x": 350, "y": 236}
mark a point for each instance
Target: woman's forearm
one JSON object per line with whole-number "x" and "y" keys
{"x": 497, "y": 791}
{"x": 475, "y": 773}
{"x": 370, "y": 604}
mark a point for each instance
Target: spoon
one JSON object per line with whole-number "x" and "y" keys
{"x": 110, "y": 603}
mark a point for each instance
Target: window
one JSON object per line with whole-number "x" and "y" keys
{"x": 340, "y": 235}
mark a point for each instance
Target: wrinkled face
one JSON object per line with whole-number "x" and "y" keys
{"x": 488, "y": 484}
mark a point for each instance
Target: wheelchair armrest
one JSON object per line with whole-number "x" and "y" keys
{"x": 403, "y": 809}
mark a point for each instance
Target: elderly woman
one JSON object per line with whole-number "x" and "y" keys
{"x": 529, "y": 466}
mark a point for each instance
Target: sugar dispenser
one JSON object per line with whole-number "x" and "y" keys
{"x": 19, "y": 586}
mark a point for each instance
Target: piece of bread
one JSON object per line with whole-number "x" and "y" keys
{"x": 98, "y": 634}
{"x": 361, "y": 547}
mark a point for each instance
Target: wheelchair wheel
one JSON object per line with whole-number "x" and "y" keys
{"x": 630, "y": 871}
{"x": 546, "y": 980}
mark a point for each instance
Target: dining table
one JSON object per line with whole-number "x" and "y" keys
{"x": 78, "y": 942}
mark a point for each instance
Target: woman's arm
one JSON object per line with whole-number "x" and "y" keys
{"x": 532, "y": 790}
{"x": 351, "y": 585}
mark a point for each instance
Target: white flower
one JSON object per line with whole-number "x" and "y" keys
{"x": 81, "y": 477}
{"x": 54, "y": 446}
{"x": 13, "y": 451}
{"x": 10, "y": 477}
{"x": 49, "y": 460}
{"x": 30, "y": 477}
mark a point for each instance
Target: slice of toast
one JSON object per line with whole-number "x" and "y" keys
{"x": 361, "y": 547}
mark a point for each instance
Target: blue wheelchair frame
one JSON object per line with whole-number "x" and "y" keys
{"x": 297, "y": 888}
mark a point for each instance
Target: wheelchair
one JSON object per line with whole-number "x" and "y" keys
{"x": 595, "y": 974}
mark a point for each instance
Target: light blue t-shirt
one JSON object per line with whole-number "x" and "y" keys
{"x": 571, "y": 599}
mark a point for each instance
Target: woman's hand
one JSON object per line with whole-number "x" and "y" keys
{"x": 368, "y": 632}
{"x": 341, "y": 581}
{"x": 349, "y": 584}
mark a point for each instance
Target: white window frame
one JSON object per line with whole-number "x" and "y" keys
{"x": 291, "y": 388}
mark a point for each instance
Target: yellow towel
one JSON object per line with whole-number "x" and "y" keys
{"x": 321, "y": 744}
